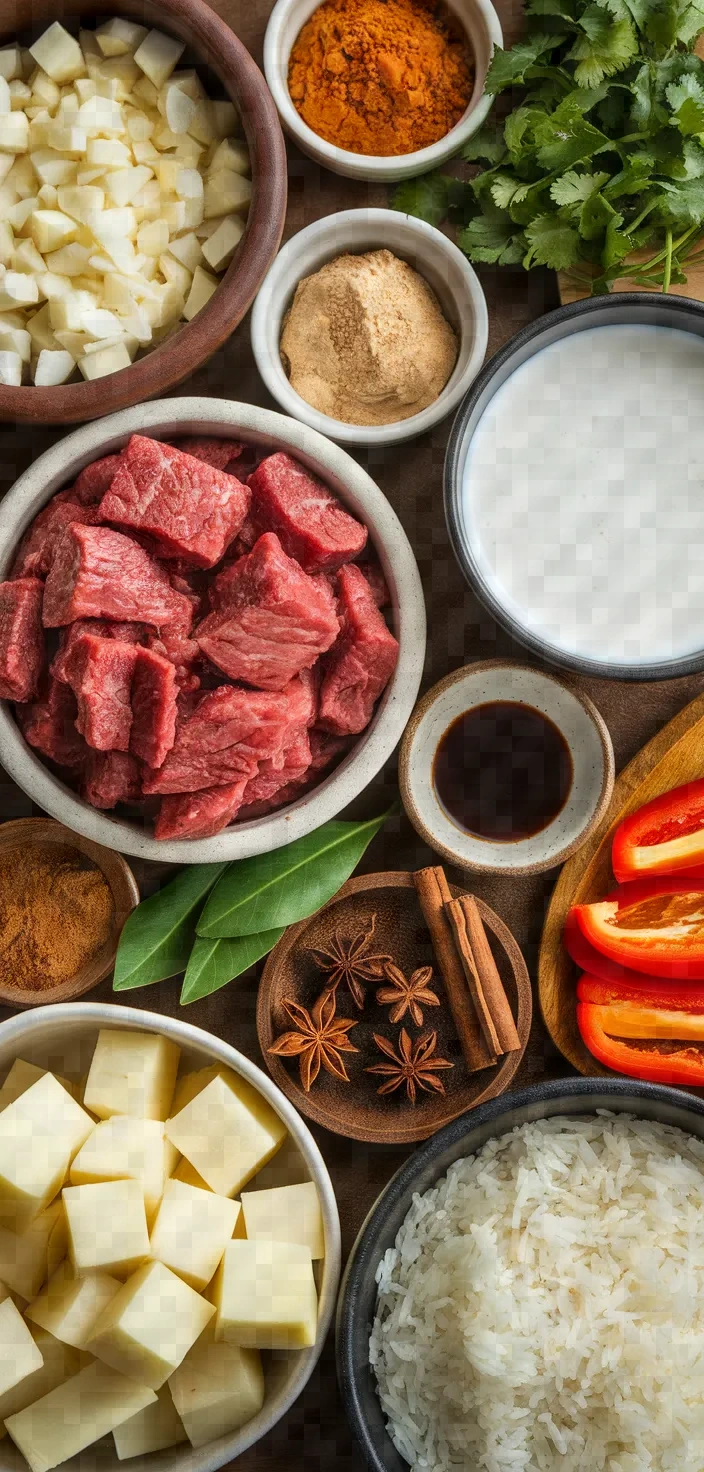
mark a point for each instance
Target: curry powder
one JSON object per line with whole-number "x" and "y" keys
{"x": 56, "y": 913}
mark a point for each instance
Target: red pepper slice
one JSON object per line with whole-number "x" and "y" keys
{"x": 654, "y": 925}
{"x": 615, "y": 1028}
{"x": 586, "y": 956}
{"x": 666, "y": 836}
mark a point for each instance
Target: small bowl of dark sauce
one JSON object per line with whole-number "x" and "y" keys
{"x": 505, "y": 768}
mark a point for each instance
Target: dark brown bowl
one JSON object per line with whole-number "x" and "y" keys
{"x": 216, "y": 46}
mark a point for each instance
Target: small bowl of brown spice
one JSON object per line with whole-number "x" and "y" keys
{"x": 380, "y": 89}
{"x": 63, "y": 903}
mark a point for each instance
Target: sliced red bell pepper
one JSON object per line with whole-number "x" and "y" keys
{"x": 586, "y": 956}
{"x": 618, "y": 1025}
{"x": 653, "y": 925}
{"x": 666, "y": 836}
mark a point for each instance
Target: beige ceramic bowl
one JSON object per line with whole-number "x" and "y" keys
{"x": 62, "y": 1039}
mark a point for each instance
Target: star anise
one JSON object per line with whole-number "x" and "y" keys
{"x": 319, "y": 1039}
{"x": 349, "y": 960}
{"x": 414, "y": 1065}
{"x": 406, "y": 994}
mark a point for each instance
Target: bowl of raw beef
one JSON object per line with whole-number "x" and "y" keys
{"x": 212, "y": 630}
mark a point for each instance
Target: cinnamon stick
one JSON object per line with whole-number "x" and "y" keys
{"x": 433, "y": 894}
{"x": 489, "y": 979}
{"x": 455, "y": 913}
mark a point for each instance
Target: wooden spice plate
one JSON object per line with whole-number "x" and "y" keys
{"x": 355, "y": 1109}
{"x": 674, "y": 756}
{"x": 28, "y": 831}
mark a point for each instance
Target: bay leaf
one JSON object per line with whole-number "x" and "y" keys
{"x": 158, "y": 936}
{"x": 215, "y": 962}
{"x": 279, "y": 888}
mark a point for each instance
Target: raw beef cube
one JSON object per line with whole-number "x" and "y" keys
{"x": 272, "y": 620}
{"x": 362, "y": 662}
{"x": 224, "y": 739}
{"x": 49, "y": 726}
{"x": 36, "y": 550}
{"x": 110, "y": 777}
{"x": 199, "y": 814}
{"x": 154, "y": 692}
{"x": 99, "y": 672}
{"x": 217, "y": 453}
{"x": 377, "y": 582}
{"x": 183, "y": 653}
{"x": 324, "y": 750}
{"x": 190, "y": 510}
{"x": 22, "y": 651}
{"x": 95, "y": 480}
{"x": 102, "y": 628}
{"x": 99, "y": 573}
{"x": 310, "y": 522}
{"x": 273, "y": 776}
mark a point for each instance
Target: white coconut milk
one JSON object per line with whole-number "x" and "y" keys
{"x": 583, "y": 492}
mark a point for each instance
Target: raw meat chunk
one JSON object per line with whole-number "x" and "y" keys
{"x": 190, "y": 510}
{"x": 226, "y": 736}
{"x": 154, "y": 692}
{"x": 99, "y": 672}
{"x": 102, "y": 628}
{"x": 49, "y": 726}
{"x": 217, "y": 453}
{"x": 22, "y": 651}
{"x": 272, "y": 776}
{"x": 324, "y": 750}
{"x": 310, "y": 522}
{"x": 199, "y": 814}
{"x": 362, "y": 662}
{"x": 36, "y": 550}
{"x": 95, "y": 480}
{"x": 99, "y": 573}
{"x": 272, "y": 619}
{"x": 377, "y": 582}
{"x": 110, "y": 777}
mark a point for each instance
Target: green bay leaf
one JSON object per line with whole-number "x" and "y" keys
{"x": 157, "y": 938}
{"x": 213, "y": 963}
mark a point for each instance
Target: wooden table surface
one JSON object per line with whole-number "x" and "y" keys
{"x": 315, "y": 1430}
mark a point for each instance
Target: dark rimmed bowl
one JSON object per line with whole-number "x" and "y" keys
{"x": 466, "y": 1135}
{"x": 217, "y": 48}
{"x": 623, "y": 307}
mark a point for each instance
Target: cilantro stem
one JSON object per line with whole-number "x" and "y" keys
{"x": 667, "y": 270}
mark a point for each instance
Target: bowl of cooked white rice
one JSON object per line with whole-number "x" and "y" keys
{"x": 527, "y": 1294}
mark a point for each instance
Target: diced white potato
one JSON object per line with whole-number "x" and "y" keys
{"x": 173, "y": 211}
{"x": 40, "y": 329}
{"x": 115, "y": 37}
{"x": 98, "y": 322}
{"x": 153, "y": 237}
{"x": 15, "y": 340}
{"x": 123, "y": 1147}
{"x": 26, "y": 257}
{"x": 231, "y": 154}
{"x": 24, "y": 1257}
{"x": 151, "y": 1430}
{"x": 67, "y": 110}
{"x": 157, "y": 56}
{"x": 101, "y": 117}
{"x": 139, "y": 125}
{"x": 118, "y": 221}
{"x": 53, "y": 368}
{"x": 145, "y": 153}
{"x": 202, "y": 288}
{"x": 75, "y": 344}
{"x": 188, "y": 81}
{"x": 14, "y": 133}
{"x": 187, "y": 250}
{"x": 82, "y": 202}
{"x": 149, "y": 199}
{"x": 286, "y": 1214}
{"x": 179, "y": 109}
{"x": 67, "y": 309}
{"x": 22, "y": 1074}
{"x": 221, "y": 246}
{"x": 46, "y": 90}
{"x": 169, "y": 309}
{"x": 227, "y": 1132}
{"x": 150, "y": 1325}
{"x": 59, "y": 54}
{"x": 224, "y": 118}
{"x": 69, "y": 260}
{"x": 111, "y": 359}
{"x": 115, "y": 76}
{"x": 76, "y": 1414}
{"x": 217, "y": 1389}
{"x": 7, "y": 246}
{"x": 19, "y": 215}
{"x": 6, "y": 96}
{"x": 107, "y": 1227}
{"x": 88, "y": 176}
{"x": 60, "y": 1363}
{"x": 203, "y": 127}
{"x": 48, "y": 196}
{"x": 176, "y": 274}
{"x": 225, "y": 193}
{"x": 39, "y": 1133}
{"x": 22, "y": 177}
{"x": 119, "y": 250}
{"x": 7, "y": 163}
{"x": 189, "y": 184}
{"x": 17, "y": 290}
{"x": 9, "y": 320}
{"x": 167, "y": 171}
{"x": 19, "y": 1355}
{"x": 10, "y": 369}
{"x": 68, "y": 141}
{"x": 84, "y": 88}
{"x": 191, "y": 1232}
{"x": 10, "y": 62}
{"x": 52, "y": 168}
{"x": 52, "y": 229}
{"x": 265, "y": 1296}
{"x": 19, "y": 94}
{"x": 69, "y": 1307}
{"x": 107, "y": 153}
{"x": 185, "y": 1172}
{"x": 54, "y": 287}
{"x": 189, "y": 152}
{"x": 124, "y": 340}
{"x": 123, "y": 184}
{"x": 165, "y": 138}
{"x": 146, "y": 92}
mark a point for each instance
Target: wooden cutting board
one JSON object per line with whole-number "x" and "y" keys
{"x": 674, "y": 756}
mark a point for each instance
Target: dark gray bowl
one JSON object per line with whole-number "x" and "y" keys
{"x": 640, "y": 307}
{"x": 466, "y": 1135}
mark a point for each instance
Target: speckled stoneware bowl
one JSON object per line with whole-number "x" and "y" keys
{"x": 575, "y": 716}
{"x": 164, "y": 419}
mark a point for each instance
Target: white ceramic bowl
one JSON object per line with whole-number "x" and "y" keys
{"x": 575, "y": 716}
{"x": 165, "y": 418}
{"x": 477, "y": 17}
{"x": 62, "y": 1039}
{"x": 443, "y": 266}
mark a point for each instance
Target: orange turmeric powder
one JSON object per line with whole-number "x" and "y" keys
{"x": 381, "y": 77}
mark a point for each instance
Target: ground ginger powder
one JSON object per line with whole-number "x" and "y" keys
{"x": 365, "y": 340}
{"x": 56, "y": 913}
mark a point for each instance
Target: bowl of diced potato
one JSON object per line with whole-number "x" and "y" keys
{"x": 169, "y": 1244}
{"x": 142, "y": 200}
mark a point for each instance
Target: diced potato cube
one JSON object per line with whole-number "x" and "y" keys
{"x": 48, "y": 197}
{"x": 115, "y": 37}
{"x": 265, "y": 1296}
{"x": 157, "y": 56}
{"x": 24, "y": 1257}
{"x": 10, "y": 369}
{"x": 221, "y": 246}
{"x": 53, "y": 368}
{"x": 60, "y": 1363}
{"x": 179, "y": 109}
{"x": 226, "y": 192}
{"x": 83, "y": 89}
{"x": 123, "y": 184}
{"x": 22, "y": 177}
{"x": 107, "y": 153}
{"x": 19, "y": 216}
{"x": 227, "y": 1133}
{"x": 58, "y": 288}
{"x": 42, "y": 334}
{"x": 15, "y": 340}
{"x": 6, "y": 96}
{"x": 189, "y": 184}
{"x": 17, "y": 289}
{"x": 132, "y": 1073}
{"x": 184, "y": 1172}
{"x": 117, "y": 248}
{"x": 124, "y": 339}
{"x": 51, "y": 229}
{"x": 146, "y": 92}
{"x": 101, "y": 117}
{"x": 114, "y": 77}
{"x": 69, "y": 1307}
{"x": 39, "y": 1135}
{"x": 203, "y": 126}
{"x": 151, "y": 1430}
{"x": 217, "y": 1389}
{"x": 51, "y": 168}
{"x": 22, "y": 1075}
{"x": 121, "y": 220}
{"x": 191, "y": 1232}
{"x": 201, "y": 291}
{"x": 66, "y": 140}
{"x": 74, "y": 343}
{"x": 187, "y": 250}
{"x": 10, "y": 62}
{"x": 153, "y": 237}
{"x": 58, "y": 54}
{"x": 76, "y": 1414}
{"x": 111, "y": 358}
{"x": 20, "y": 95}
{"x": 107, "y": 1227}
{"x": 233, "y": 155}
{"x": 82, "y": 201}
{"x": 14, "y": 133}
{"x": 7, "y": 164}
{"x": 69, "y": 260}
{"x": 150, "y": 1325}
{"x": 145, "y": 152}
{"x": 19, "y": 1356}
{"x": 286, "y": 1214}
{"x": 192, "y": 1084}
{"x": 175, "y": 273}
{"x": 224, "y": 117}
{"x": 98, "y": 322}
{"x": 26, "y": 258}
{"x": 121, "y": 1147}
{"x": 45, "y": 90}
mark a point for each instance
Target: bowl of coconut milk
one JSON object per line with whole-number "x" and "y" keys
{"x": 574, "y": 486}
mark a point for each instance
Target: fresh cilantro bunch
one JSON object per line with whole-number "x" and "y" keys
{"x": 603, "y": 156}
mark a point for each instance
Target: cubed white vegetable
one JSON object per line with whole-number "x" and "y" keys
{"x": 51, "y": 229}
{"x": 150, "y": 1325}
{"x": 230, "y": 154}
{"x": 139, "y": 126}
{"x": 265, "y": 1296}
{"x": 40, "y": 329}
{"x": 107, "y": 153}
{"x": 173, "y": 272}
{"x": 6, "y": 96}
{"x": 203, "y": 124}
{"x": 10, "y": 62}
{"x": 51, "y": 168}
{"x": 224, "y": 118}
{"x": 39, "y": 1134}
{"x": 7, "y": 243}
{"x": 60, "y": 1363}
{"x": 189, "y": 152}
{"x": 46, "y": 90}
{"x": 24, "y": 1257}
{"x": 101, "y": 117}
{"x": 120, "y": 71}
{"x": 53, "y": 368}
{"x": 48, "y": 197}
{"x": 19, "y": 215}
{"x": 66, "y": 140}
{"x": 83, "y": 89}
{"x": 58, "y": 54}
{"x": 10, "y": 369}
{"x": 186, "y": 248}
{"x": 151, "y": 1430}
{"x": 285, "y": 1214}
{"x": 19, "y": 1355}
{"x": 179, "y": 109}
{"x": 67, "y": 308}
{"x": 157, "y": 56}
{"x": 146, "y": 92}
{"x": 69, "y": 1307}
{"x": 164, "y": 138}
{"x": 174, "y": 213}
{"x": 109, "y": 360}
{"x": 69, "y": 260}
{"x": 17, "y": 290}
{"x": 16, "y": 340}
{"x": 98, "y": 322}
{"x": 107, "y": 1227}
{"x": 229, "y": 1131}
{"x": 56, "y": 288}
{"x": 117, "y": 248}
{"x": 202, "y": 289}
{"x": 189, "y": 184}
{"x": 26, "y": 257}
{"x": 221, "y": 246}
{"x": 22, "y": 177}
{"x": 123, "y": 1147}
{"x": 82, "y": 201}
{"x": 217, "y": 1389}
{"x": 76, "y": 1414}
{"x": 117, "y": 36}
{"x": 123, "y": 184}
{"x": 14, "y": 133}
{"x": 191, "y": 1232}
{"x": 226, "y": 192}
{"x": 118, "y": 221}
{"x": 19, "y": 95}
{"x": 153, "y": 238}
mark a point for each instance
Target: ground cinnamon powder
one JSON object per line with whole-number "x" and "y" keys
{"x": 380, "y": 76}
{"x": 56, "y": 912}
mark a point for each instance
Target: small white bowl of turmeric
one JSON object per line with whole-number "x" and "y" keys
{"x": 370, "y": 327}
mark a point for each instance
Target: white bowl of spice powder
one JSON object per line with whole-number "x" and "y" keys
{"x": 370, "y": 327}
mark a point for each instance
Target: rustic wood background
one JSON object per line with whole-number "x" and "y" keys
{"x": 315, "y": 1431}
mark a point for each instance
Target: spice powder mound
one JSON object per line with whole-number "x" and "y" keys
{"x": 56, "y": 913}
{"x": 381, "y": 77}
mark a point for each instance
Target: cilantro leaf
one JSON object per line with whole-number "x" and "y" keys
{"x": 505, "y": 191}
{"x": 574, "y": 188}
{"x": 566, "y": 138}
{"x": 606, "y": 47}
{"x": 509, "y": 67}
{"x": 686, "y": 98}
{"x": 491, "y": 242}
{"x": 681, "y": 203}
{"x": 552, "y": 242}
{"x": 596, "y": 215}
{"x": 425, "y": 197}
{"x": 487, "y": 144}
